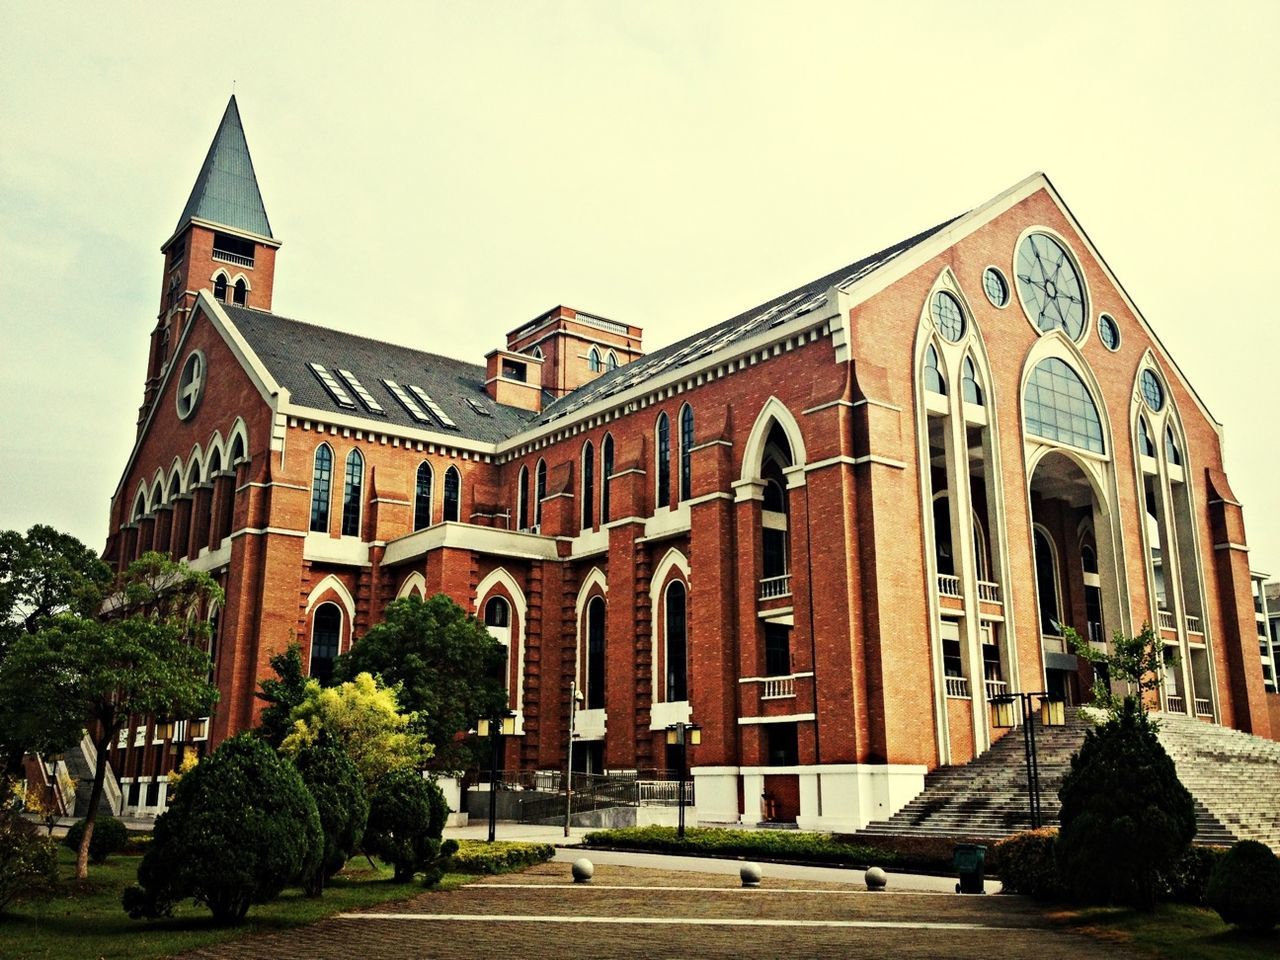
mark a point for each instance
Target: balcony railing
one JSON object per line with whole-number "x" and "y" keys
{"x": 1204, "y": 708}
{"x": 1167, "y": 621}
{"x": 771, "y": 587}
{"x": 1194, "y": 625}
{"x": 226, "y": 256}
{"x": 778, "y": 688}
{"x": 958, "y": 687}
{"x": 1174, "y": 703}
{"x": 948, "y": 585}
{"x": 989, "y": 591}
{"x": 662, "y": 792}
{"x": 995, "y": 688}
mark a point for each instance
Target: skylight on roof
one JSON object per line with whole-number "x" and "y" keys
{"x": 433, "y": 406}
{"x": 365, "y": 396}
{"x": 407, "y": 401}
{"x": 478, "y": 407}
{"x": 335, "y": 389}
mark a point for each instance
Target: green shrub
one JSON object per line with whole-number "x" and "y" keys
{"x": 335, "y": 783}
{"x": 406, "y": 819}
{"x": 109, "y": 836}
{"x": 1188, "y": 879}
{"x": 1026, "y": 863}
{"x": 476, "y": 856}
{"x": 28, "y": 861}
{"x": 769, "y": 844}
{"x": 239, "y": 828}
{"x": 1245, "y": 886}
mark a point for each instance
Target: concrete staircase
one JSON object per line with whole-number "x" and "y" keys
{"x": 81, "y": 760}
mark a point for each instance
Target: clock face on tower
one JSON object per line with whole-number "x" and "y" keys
{"x": 1052, "y": 293}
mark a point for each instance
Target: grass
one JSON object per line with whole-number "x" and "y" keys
{"x": 86, "y": 920}
{"x": 1172, "y": 931}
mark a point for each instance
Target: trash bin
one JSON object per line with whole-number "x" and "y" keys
{"x": 970, "y": 864}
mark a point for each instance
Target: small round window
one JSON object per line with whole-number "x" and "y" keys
{"x": 995, "y": 286}
{"x": 1108, "y": 332}
{"x": 1152, "y": 391}
{"x": 947, "y": 316}
{"x": 191, "y": 383}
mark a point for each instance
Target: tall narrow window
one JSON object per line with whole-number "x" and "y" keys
{"x": 539, "y": 492}
{"x": 1171, "y": 448}
{"x": 241, "y": 293}
{"x": 588, "y": 485}
{"x": 497, "y": 620}
{"x": 612, "y": 362}
{"x": 422, "y": 497}
{"x": 777, "y": 650}
{"x": 774, "y": 526}
{"x": 606, "y": 471}
{"x": 1146, "y": 446}
{"x": 351, "y": 494}
{"x": 664, "y": 461}
{"x": 933, "y": 380}
{"x": 594, "y": 363}
{"x": 677, "y": 643}
{"x": 220, "y": 287}
{"x": 972, "y": 391}
{"x": 326, "y": 629}
{"x": 452, "y": 495}
{"x": 686, "y": 452}
{"x": 595, "y": 654}
{"x": 1047, "y": 585}
{"x": 522, "y": 499}
{"x": 321, "y": 476}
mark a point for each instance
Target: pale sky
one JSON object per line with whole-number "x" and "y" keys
{"x": 441, "y": 172}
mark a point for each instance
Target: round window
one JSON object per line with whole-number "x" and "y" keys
{"x": 996, "y": 287}
{"x": 1152, "y": 391}
{"x": 191, "y": 383}
{"x": 1108, "y": 332}
{"x": 947, "y": 316}
{"x": 1049, "y": 285}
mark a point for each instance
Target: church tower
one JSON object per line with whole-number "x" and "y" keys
{"x": 223, "y": 243}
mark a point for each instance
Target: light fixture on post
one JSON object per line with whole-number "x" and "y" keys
{"x": 683, "y": 735}
{"x": 1053, "y": 713}
{"x": 575, "y": 698}
{"x": 1002, "y": 712}
{"x": 503, "y": 725}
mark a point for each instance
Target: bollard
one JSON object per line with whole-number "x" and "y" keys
{"x": 751, "y": 874}
{"x": 875, "y": 878}
{"x": 583, "y": 870}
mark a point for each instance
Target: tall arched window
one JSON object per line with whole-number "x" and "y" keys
{"x": 1047, "y": 586}
{"x": 220, "y": 287}
{"x": 452, "y": 495}
{"x": 497, "y": 619}
{"x": 422, "y": 497}
{"x": 351, "y": 494}
{"x": 326, "y": 630}
{"x": 612, "y": 362}
{"x": 539, "y": 492}
{"x": 522, "y": 499}
{"x": 664, "y": 460}
{"x": 933, "y": 379}
{"x": 686, "y": 452}
{"x": 241, "y": 293}
{"x": 321, "y": 476}
{"x": 594, "y": 363}
{"x": 595, "y": 654}
{"x": 1146, "y": 446}
{"x": 774, "y": 523}
{"x": 972, "y": 390}
{"x": 588, "y": 485}
{"x": 606, "y": 471}
{"x": 1171, "y": 447}
{"x": 1058, "y": 407}
{"x": 677, "y": 643}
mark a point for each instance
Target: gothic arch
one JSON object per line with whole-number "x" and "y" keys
{"x": 332, "y": 585}
{"x": 414, "y": 582}
{"x": 241, "y": 432}
{"x": 773, "y": 411}
{"x": 1056, "y": 344}
{"x": 594, "y": 584}
{"x": 673, "y": 565}
{"x": 215, "y": 445}
{"x": 511, "y": 592}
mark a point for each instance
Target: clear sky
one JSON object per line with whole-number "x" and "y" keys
{"x": 441, "y": 172}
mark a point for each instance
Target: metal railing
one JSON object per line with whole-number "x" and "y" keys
{"x": 226, "y": 256}
{"x": 1204, "y": 708}
{"x": 995, "y": 688}
{"x": 1194, "y": 625}
{"x": 948, "y": 585}
{"x": 958, "y": 687}
{"x": 989, "y": 591}
{"x": 598, "y": 791}
{"x": 777, "y": 688}
{"x": 1174, "y": 703}
{"x": 662, "y": 792}
{"x": 1167, "y": 621}
{"x": 771, "y": 587}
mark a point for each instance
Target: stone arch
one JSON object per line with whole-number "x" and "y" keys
{"x": 673, "y": 565}
{"x": 1056, "y": 344}
{"x": 594, "y": 584}
{"x": 501, "y": 580}
{"x": 773, "y": 411}
{"x": 238, "y": 432}
{"x": 414, "y": 582}
{"x": 332, "y": 585}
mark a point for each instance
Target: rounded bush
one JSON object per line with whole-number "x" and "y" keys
{"x": 1025, "y": 863}
{"x": 1244, "y": 886}
{"x": 334, "y": 781}
{"x": 400, "y": 823}
{"x": 109, "y": 836}
{"x": 240, "y": 827}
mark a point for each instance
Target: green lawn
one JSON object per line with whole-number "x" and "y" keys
{"x": 1173, "y": 932}
{"x": 87, "y": 921}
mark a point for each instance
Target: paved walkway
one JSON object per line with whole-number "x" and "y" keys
{"x": 631, "y": 912}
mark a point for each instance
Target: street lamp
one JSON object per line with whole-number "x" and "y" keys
{"x": 683, "y": 734}
{"x": 1053, "y": 713}
{"x": 575, "y": 698}
{"x": 502, "y": 725}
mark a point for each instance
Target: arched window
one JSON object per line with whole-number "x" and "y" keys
{"x": 969, "y": 385}
{"x": 933, "y": 379}
{"x": 595, "y": 654}
{"x": 664, "y": 460}
{"x": 321, "y": 475}
{"x": 686, "y": 452}
{"x": 606, "y": 471}
{"x": 422, "y": 497}
{"x": 594, "y": 363}
{"x": 588, "y": 485}
{"x": 227, "y": 508}
{"x": 351, "y": 490}
{"x": 139, "y": 507}
{"x": 677, "y": 643}
{"x": 220, "y": 287}
{"x": 522, "y": 499}
{"x": 774, "y": 523}
{"x": 237, "y": 450}
{"x": 944, "y": 553}
{"x": 1047, "y": 587}
{"x": 452, "y": 495}
{"x": 1171, "y": 448}
{"x": 326, "y": 630}
{"x": 539, "y": 492}
{"x": 537, "y": 352}
{"x": 241, "y": 293}
{"x": 497, "y": 619}
{"x": 1088, "y": 559}
{"x": 612, "y": 362}
{"x": 1058, "y": 407}
{"x": 1146, "y": 446}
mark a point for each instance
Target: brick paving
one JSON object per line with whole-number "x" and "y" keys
{"x": 693, "y": 915}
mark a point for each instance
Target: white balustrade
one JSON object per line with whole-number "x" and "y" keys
{"x": 989, "y": 591}
{"x": 1194, "y": 625}
{"x": 1167, "y": 622}
{"x": 771, "y": 587}
{"x": 1174, "y": 703}
{"x": 1204, "y": 708}
{"x": 948, "y": 585}
{"x": 995, "y": 688}
{"x": 778, "y": 688}
{"x": 958, "y": 687}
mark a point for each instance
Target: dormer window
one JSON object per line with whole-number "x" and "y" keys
{"x": 513, "y": 370}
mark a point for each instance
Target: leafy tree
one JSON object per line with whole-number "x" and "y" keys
{"x": 240, "y": 827}
{"x": 281, "y": 695}
{"x": 1126, "y": 819}
{"x": 406, "y": 819}
{"x": 364, "y": 717}
{"x": 334, "y": 782}
{"x": 1135, "y": 661}
{"x": 140, "y": 656}
{"x": 450, "y": 669}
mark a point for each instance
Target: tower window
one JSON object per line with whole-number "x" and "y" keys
{"x": 220, "y": 287}
{"x": 321, "y": 476}
{"x": 594, "y": 363}
{"x": 231, "y": 249}
{"x": 241, "y": 294}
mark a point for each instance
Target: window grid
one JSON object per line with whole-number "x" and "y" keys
{"x": 1050, "y": 286}
{"x": 1108, "y": 332}
{"x": 995, "y": 286}
{"x": 947, "y": 316}
{"x": 422, "y": 497}
{"x": 351, "y": 488}
{"x": 664, "y": 461}
{"x": 452, "y": 494}
{"x": 321, "y": 476}
{"x": 1152, "y": 391}
{"x": 606, "y": 470}
{"x": 588, "y": 485}
{"x": 1059, "y": 407}
{"x": 326, "y": 630}
{"x": 686, "y": 452}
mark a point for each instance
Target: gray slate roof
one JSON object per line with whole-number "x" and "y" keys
{"x": 226, "y": 191}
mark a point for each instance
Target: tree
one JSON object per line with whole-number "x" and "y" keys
{"x": 334, "y": 781}
{"x": 450, "y": 670}
{"x": 141, "y": 655}
{"x": 364, "y": 717}
{"x": 1135, "y": 661}
{"x": 1126, "y": 818}
{"x": 281, "y": 695}
{"x": 406, "y": 819}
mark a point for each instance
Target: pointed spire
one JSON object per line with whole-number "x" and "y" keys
{"x": 226, "y": 191}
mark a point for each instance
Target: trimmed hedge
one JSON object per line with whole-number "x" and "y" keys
{"x": 1188, "y": 879}
{"x": 1026, "y": 863}
{"x": 109, "y": 836}
{"x": 477, "y": 856}
{"x": 766, "y": 844}
{"x": 1245, "y": 886}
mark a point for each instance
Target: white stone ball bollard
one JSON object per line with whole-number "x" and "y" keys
{"x": 751, "y": 874}
{"x": 583, "y": 870}
{"x": 875, "y": 878}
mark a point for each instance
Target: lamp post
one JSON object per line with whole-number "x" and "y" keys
{"x": 683, "y": 734}
{"x": 1052, "y": 714}
{"x": 502, "y": 725}
{"x": 575, "y": 698}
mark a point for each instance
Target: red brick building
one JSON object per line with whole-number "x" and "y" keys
{"x": 827, "y": 530}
